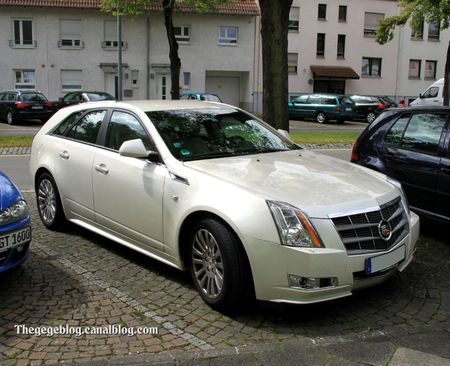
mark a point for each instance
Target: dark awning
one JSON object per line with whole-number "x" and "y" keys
{"x": 333, "y": 72}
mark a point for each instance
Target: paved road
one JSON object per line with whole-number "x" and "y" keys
{"x": 25, "y": 128}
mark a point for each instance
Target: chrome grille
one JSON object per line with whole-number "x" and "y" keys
{"x": 360, "y": 233}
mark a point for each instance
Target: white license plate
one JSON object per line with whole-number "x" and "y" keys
{"x": 385, "y": 261}
{"x": 348, "y": 109}
{"x": 37, "y": 107}
{"x": 15, "y": 238}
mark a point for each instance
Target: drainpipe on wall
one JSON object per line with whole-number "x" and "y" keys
{"x": 119, "y": 61}
{"x": 397, "y": 71}
{"x": 147, "y": 48}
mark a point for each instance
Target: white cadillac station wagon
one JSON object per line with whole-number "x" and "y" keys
{"x": 210, "y": 188}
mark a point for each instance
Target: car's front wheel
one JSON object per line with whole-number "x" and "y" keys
{"x": 321, "y": 117}
{"x": 370, "y": 117}
{"x": 217, "y": 265}
{"x": 49, "y": 202}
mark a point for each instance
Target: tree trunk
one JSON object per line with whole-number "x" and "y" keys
{"x": 274, "y": 38}
{"x": 175, "y": 63}
{"x": 446, "y": 92}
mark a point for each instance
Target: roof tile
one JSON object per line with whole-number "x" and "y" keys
{"x": 234, "y": 7}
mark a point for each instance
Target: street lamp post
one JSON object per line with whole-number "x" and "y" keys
{"x": 119, "y": 61}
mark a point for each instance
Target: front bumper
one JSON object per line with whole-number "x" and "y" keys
{"x": 272, "y": 263}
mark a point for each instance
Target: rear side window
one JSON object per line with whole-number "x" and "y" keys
{"x": 329, "y": 101}
{"x": 64, "y": 125}
{"x": 395, "y": 134}
{"x": 424, "y": 132}
{"x": 419, "y": 132}
{"x": 86, "y": 129}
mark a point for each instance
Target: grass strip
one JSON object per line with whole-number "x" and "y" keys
{"x": 15, "y": 141}
{"x": 324, "y": 138}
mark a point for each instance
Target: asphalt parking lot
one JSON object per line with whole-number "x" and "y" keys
{"x": 78, "y": 279}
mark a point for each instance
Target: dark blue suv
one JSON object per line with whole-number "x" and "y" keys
{"x": 412, "y": 145}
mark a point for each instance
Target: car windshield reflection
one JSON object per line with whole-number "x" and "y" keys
{"x": 193, "y": 134}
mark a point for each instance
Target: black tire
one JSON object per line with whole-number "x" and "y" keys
{"x": 321, "y": 117}
{"x": 370, "y": 117}
{"x": 9, "y": 118}
{"x": 49, "y": 204}
{"x": 218, "y": 266}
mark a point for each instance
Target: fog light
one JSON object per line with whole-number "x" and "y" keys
{"x": 19, "y": 248}
{"x": 311, "y": 283}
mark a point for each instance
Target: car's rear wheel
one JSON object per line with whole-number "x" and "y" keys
{"x": 321, "y": 117}
{"x": 370, "y": 117}
{"x": 49, "y": 203}
{"x": 217, "y": 265}
{"x": 10, "y": 118}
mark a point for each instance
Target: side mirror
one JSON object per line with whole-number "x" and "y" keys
{"x": 420, "y": 95}
{"x": 60, "y": 99}
{"x": 284, "y": 133}
{"x": 136, "y": 149}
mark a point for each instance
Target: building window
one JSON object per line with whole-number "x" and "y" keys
{"x": 433, "y": 31}
{"x": 182, "y": 33}
{"x": 371, "y": 22}
{"x": 70, "y": 33}
{"x": 320, "y": 45}
{"x": 292, "y": 63}
{"x": 24, "y": 79}
{"x": 414, "y": 69}
{"x": 22, "y": 33}
{"x": 322, "y": 12}
{"x": 294, "y": 16}
{"x": 110, "y": 31}
{"x": 228, "y": 35}
{"x": 186, "y": 80}
{"x": 341, "y": 46}
{"x": 417, "y": 32}
{"x": 430, "y": 69}
{"x": 371, "y": 66}
{"x": 71, "y": 80}
{"x": 342, "y": 13}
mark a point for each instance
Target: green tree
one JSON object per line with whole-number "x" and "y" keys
{"x": 415, "y": 12}
{"x": 274, "y": 40}
{"x": 137, "y": 7}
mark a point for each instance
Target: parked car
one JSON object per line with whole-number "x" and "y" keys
{"x": 209, "y": 97}
{"x": 210, "y": 188}
{"x": 15, "y": 229}
{"x": 18, "y": 105}
{"x": 433, "y": 95}
{"x": 322, "y": 107}
{"x": 412, "y": 146}
{"x": 367, "y": 108}
{"x": 82, "y": 97}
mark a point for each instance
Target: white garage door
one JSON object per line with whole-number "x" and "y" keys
{"x": 226, "y": 87}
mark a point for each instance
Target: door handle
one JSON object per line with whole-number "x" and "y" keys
{"x": 101, "y": 168}
{"x": 64, "y": 154}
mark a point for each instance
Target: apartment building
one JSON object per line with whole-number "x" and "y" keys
{"x": 332, "y": 48}
{"x": 68, "y": 45}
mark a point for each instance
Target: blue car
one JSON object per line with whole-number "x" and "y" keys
{"x": 15, "y": 229}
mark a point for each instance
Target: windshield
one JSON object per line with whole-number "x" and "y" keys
{"x": 193, "y": 134}
{"x": 33, "y": 97}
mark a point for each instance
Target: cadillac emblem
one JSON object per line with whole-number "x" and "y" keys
{"x": 385, "y": 230}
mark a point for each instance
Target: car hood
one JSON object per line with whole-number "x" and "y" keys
{"x": 9, "y": 193}
{"x": 319, "y": 185}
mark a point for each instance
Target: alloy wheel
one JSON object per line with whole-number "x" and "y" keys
{"x": 207, "y": 263}
{"x": 47, "y": 201}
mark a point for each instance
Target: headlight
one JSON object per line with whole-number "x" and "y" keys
{"x": 397, "y": 184}
{"x": 14, "y": 213}
{"x": 293, "y": 226}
